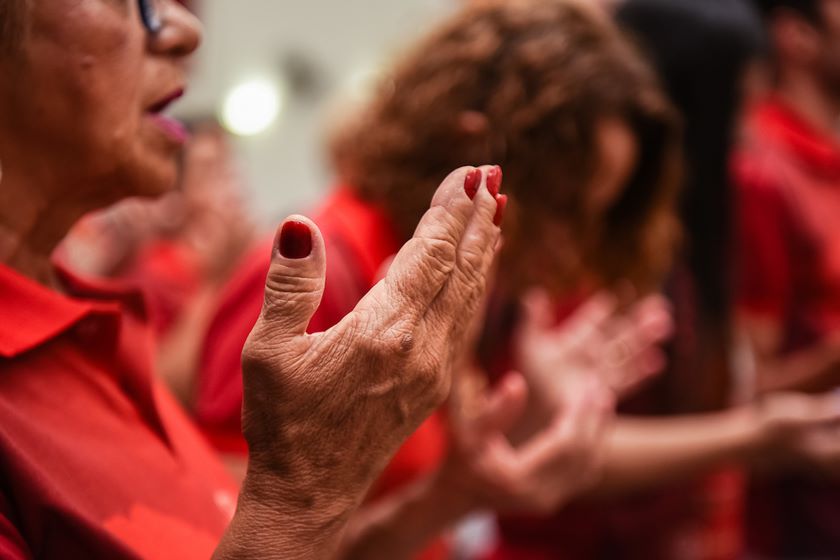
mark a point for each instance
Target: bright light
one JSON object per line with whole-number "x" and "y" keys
{"x": 251, "y": 107}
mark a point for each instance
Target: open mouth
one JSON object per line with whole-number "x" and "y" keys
{"x": 170, "y": 126}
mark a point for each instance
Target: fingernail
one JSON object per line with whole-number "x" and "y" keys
{"x": 494, "y": 180}
{"x": 295, "y": 240}
{"x": 472, "y": 182}
{"x": 501, "y": 204}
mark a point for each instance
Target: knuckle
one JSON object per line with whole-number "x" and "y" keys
{"x": 395, "y": 343}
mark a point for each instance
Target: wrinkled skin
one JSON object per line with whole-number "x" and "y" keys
{"x": 323, "y": 413}
{"x": 78, "y": 129}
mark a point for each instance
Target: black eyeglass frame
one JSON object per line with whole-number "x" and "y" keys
{"x": 150, "y": 16}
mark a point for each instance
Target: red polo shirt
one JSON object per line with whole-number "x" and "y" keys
{"x": 788, "y": 179}
{"x": 359, "y": 239}
{"x": 96, "y": 459}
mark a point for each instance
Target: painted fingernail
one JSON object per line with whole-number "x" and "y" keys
{"x": 501, "y": 204}
{"x": 295, "y": 240}
{"x": 472, "y": 182}
{"x": 494, "y": 180}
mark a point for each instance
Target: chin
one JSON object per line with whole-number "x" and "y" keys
{"x": 155, "y": 178}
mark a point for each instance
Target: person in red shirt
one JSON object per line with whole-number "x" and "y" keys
{"x": 788, "y": 174}
{"x": 96, "y": 459}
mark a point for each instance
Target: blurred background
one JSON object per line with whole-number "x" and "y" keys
{"x": 276, "y": 82}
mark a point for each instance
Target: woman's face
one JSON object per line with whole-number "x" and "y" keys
{"x": 81, "y": 98}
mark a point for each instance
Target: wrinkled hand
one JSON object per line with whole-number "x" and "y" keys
{"x": 801, "y": 429}
{"x": 325, "y": 412}
{"x": 542, "y": 473}
{"x": 620, "y": 349}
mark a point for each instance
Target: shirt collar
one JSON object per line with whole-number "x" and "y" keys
{"x": 33, "y": 314}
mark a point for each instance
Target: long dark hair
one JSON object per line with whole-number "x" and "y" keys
{"x": 702, "y": 49}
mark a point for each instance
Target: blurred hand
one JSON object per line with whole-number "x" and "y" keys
{"x": 801, "y": 429}
{"x": 622, "y": 350}
{"x": 539, "y": 475}
{"x": 323, "y": 413}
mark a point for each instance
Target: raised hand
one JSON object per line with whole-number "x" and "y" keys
{"x": 620, "y": 349}
{"x": 538, "y": 475}
{"x": 323, "y": 413}
{"x": 800, "y": 430}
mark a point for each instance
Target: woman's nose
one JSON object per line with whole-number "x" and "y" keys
{"x": 181, "y": 32}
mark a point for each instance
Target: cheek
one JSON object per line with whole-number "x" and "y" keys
{"x": 91, "y": 75}
{"x": 106, "y": 89}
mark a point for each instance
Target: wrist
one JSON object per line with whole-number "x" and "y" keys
{"x": 749, "y": 439}
{"x": 764, "y": 442}
{"x": 278, "y": 519}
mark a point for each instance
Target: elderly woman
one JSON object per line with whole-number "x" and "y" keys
{"x": 96, "y": 459}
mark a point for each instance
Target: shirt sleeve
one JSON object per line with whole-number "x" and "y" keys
{"x": 764, "y": 263}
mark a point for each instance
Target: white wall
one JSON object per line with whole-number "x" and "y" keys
{"x": 243, "y": 38}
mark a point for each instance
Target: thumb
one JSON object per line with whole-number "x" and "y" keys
{"x": 295, "y": 281}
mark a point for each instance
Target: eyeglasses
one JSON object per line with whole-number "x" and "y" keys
{"x": 150, "y": 13}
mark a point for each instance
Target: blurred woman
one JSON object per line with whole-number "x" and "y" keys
{"x": 702, "y": 50}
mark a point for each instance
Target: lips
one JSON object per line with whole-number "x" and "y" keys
{"x": 171, "y": 127}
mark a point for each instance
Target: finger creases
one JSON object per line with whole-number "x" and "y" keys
{"x": 426, "y": 263}
{"x": 295, "y": 281}
{"x": 475, "y": 253}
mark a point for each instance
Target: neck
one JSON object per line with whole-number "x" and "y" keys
{"x": 811, "y": 101}
{"x": 31, "y": 227}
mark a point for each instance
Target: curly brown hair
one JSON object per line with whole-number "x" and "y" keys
{"x": 544, "y": 74}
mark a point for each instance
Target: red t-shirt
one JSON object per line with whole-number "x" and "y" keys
{"x": 359, "y": 239}
{"x": 788, "y": 178}
{"x": 96, "y": 458}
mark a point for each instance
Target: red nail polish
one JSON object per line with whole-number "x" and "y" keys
{"x": 501, "y": 204}
{"x": 295, "y": 240}
{"x": 494, "y": 180}
{"x": 472, "y": 182}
